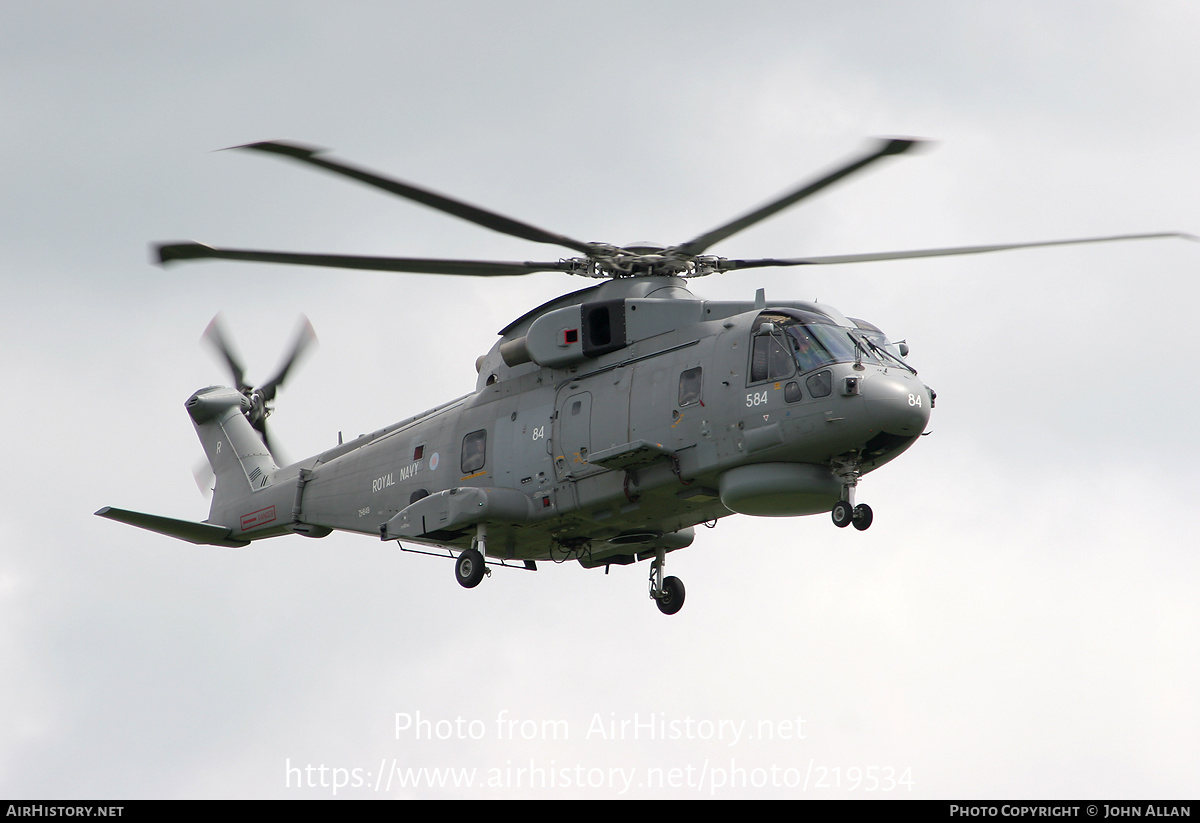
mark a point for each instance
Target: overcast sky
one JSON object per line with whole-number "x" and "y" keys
{"x": 1020, "y": 621}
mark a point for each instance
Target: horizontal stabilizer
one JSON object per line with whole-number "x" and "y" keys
{"x": 203, "y": 534}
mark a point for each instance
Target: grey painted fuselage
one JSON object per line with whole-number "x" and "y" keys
{"x": 630, "y": 412}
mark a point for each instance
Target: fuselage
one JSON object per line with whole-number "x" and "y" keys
{"x": 609, "y": 422}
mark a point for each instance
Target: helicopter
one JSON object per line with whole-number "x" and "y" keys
{"x": 606, "y": 424}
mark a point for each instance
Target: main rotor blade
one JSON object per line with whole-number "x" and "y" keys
{"x": 730, "y": 265}
{"x": 473, "y": 214}
{"x": 171, "y": 252}
{"x": 886, "y": 148}
{"x": 305, "y": 337}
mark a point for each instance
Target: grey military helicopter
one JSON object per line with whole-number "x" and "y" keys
{"x": 605, "y": 425}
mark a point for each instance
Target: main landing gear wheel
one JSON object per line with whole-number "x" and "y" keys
{"x": 671, "y": 599}
{"x": 862, "y": 517}
{"x": 469, "y": 569}
{"x": 666, "y": 592}
{"x": 843, "y": 514}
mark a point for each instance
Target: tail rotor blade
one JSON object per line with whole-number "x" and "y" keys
{"x": 259, "y": 397}
{"x": 203, "y": 474}
{"x": 305, "y": 337}
{"x": 214, "y": 335}
{"x": 271, "y": 446}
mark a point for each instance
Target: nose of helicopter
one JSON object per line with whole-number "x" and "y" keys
{"x": 897, "y": 405}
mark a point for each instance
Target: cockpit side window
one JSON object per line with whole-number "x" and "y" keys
{"x": 879, "y": 341}
{"x": 769, "y": 360}
{"x": 820, "y": 384}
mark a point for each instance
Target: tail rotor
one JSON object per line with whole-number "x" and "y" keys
{"x": 262, "y": 396}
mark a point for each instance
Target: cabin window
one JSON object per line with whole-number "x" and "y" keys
{"x": 689, "y": 386}
{"x": 791, "y": 392}
{"x": 474, "y": 451}
{"x": 419, "y": 452}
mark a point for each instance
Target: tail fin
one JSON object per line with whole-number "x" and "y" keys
{"x": 242, "y": 465}
{"x": 238, "y": 456}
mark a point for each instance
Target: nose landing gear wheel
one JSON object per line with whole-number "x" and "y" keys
{"x": 843, "y": 514}
{"x": 469, "y": 569}
{"x": 671, "y": 599}
{"x": 862, "y": 517}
